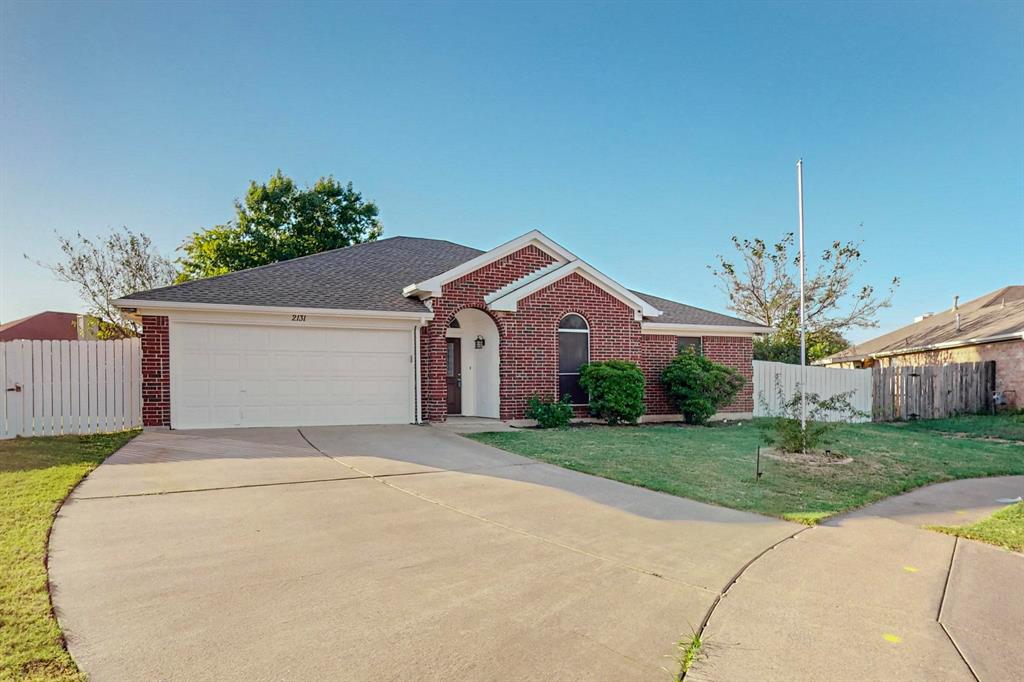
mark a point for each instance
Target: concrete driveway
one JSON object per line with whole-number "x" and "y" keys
{"x": 380, "y": 553}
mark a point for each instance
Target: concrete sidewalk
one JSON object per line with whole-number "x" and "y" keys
{"x": 872, "y": 596}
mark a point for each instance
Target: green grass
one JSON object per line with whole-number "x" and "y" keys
{"x": 1006, "y": 427}
{"x": 689, "y": 649}
{"x": 36, "y": 474}
{"x": 1005, "y": 528}
{"x": 716, "y": 464}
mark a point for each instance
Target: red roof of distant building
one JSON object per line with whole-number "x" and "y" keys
{"x": 48, "y": 325}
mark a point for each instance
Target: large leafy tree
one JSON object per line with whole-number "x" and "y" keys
{"x": 108, "y": 268}
{"x": 277, "y": 220}
{"x": 762, "y": 283}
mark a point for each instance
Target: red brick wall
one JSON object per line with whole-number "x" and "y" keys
{"x": 657, "y": 351}
{"x": 529, "y": 338}
{"x": 156, "y": 371}
{"x": 466, "y": 292}
{"x": 529, "y": 348}
{"x": 737, "y": 352}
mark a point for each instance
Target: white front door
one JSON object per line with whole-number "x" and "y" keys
{"x": 225, "y": 375}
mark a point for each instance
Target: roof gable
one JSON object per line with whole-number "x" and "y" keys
{"x": 509, "y": 296}
{"x": 432, "y": 286}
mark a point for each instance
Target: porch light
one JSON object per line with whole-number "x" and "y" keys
{"x": 479, "y": 343}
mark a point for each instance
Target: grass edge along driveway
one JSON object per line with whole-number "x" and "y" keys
{"x": 716, "y": 464}
{"x": 1005, "y": 529}
{"x": 36, "y": 475}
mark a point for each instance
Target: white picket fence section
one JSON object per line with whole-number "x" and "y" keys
{"x": 64, "y": 387}
{"x": 824, "y": 381}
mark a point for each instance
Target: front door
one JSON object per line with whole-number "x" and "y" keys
{"x": 453, "y": 376}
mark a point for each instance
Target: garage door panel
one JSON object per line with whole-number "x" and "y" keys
{"x": 249, "y": 375}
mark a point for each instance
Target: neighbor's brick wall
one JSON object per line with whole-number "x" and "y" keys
{"x": 529, "y": 338}
{"x": 1008, "y": 356}
{"x": 736, "y": 352}
{"x": 156, "y": 371}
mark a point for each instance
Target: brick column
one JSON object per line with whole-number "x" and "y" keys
{"x": 156, "y": 371}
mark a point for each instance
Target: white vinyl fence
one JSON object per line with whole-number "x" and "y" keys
{"x": 824, "y": 381}
{"x": 62, "y": 387}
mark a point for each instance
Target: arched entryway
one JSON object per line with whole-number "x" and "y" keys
{"x": 472, "y": 362}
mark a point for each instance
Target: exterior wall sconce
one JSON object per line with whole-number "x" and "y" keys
{"x": 479, "y": 343}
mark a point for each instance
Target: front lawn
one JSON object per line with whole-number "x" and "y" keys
{"x": 36, "y": 474}
{"x": 716, "y": 463}
{"x": 1005, "y": 528}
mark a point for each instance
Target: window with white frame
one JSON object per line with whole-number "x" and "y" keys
{"x": 573, "y": 352}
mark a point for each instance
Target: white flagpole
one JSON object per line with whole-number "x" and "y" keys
{"x": 803, "y": 269}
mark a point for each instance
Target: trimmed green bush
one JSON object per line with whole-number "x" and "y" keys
{"x": 616, "y": 389}
{"x": 698, "y": 387}
{"x": 550, "y": 414}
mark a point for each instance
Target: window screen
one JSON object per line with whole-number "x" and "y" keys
{"x": 690, "y": 343}
{"x": 573, "y": 351}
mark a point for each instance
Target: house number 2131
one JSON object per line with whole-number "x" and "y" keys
{"x": 298, "y": 318}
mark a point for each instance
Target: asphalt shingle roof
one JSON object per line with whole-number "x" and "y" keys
{"x": 367, "y": 276}
{"x": 680, "y": 313}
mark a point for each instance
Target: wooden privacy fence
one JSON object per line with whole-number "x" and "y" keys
{"x": 932, "y": 391}
{"x": 62, "y": 387}
{"x": 824, "y": 381}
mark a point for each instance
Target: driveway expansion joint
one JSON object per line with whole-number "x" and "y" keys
{"x": 942, "y": 603}
{"x": 593, "y": 555}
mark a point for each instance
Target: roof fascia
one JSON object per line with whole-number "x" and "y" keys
{"x": 677, "y": 329}
{"x": 165, "y": 306}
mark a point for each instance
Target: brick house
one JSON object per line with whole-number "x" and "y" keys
{"x": 990, "y": 327}
{"x": 407, "y": 330}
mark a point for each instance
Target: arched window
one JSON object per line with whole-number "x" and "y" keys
{"x": 573, "y": 352}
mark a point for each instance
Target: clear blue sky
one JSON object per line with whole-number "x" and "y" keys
{"x": 640, "y": 136}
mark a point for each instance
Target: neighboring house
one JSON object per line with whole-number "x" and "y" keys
{"x": 48, "y": 326}
{"x": 990, "y": 327}
{"x": 406, "y": 330}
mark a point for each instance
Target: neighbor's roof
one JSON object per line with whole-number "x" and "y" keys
{"x": 994, "y": 316}
{"x": 47, "y": 325}
{"x": 367, "y": 276}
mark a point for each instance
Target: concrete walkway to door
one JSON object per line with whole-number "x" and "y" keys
{"x": 380, "y": 553}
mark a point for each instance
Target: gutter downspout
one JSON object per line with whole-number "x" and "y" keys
{"x": 416, "y": 369}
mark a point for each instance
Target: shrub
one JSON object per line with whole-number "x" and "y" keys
{"x": 616, "y": 389}
{"x": 783, "y": 428}
{"x": 550, "y": 414}
{"x": 698, "y": 387}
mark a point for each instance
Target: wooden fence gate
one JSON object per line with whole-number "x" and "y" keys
{"x": 932, "y": 391}
{"x": 61, "y": 387}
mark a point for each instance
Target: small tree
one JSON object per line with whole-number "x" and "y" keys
{"x": 278, "y": 221}
{"x": 616, "y": 389}
{"x": 698, "y": 387}
{"x": 108, "y": 268}
{"x": 784, "y": 429}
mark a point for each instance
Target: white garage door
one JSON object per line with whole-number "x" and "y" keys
{"x": 247, "y": 375}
